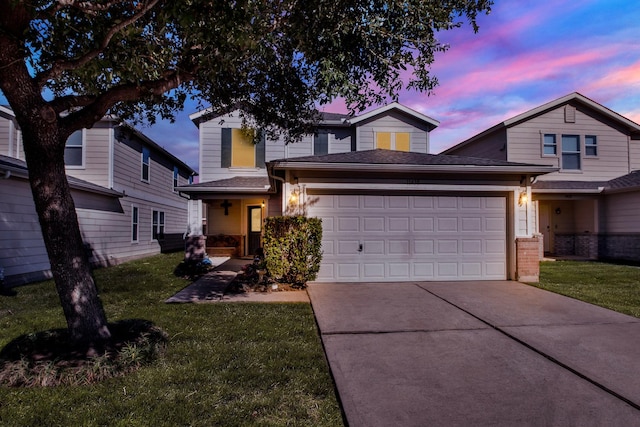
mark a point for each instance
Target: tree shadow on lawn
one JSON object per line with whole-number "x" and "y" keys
{"x": 48, "y": 358}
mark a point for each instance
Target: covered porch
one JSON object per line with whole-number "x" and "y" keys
{"x": 569, "y": 217}
{"x": 230, "y": 214}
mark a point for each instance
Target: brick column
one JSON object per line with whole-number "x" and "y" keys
{"x": 528, "y": 259}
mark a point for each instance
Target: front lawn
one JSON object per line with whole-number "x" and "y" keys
{"x": 612, "y": 286}
{"x": 226, "y": 364}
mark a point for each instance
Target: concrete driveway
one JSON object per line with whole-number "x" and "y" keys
{"x": 477, "y": 354}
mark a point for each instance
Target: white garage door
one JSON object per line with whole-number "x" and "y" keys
{"x": 400, "y": 238}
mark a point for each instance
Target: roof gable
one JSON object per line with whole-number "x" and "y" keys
{"x": 575, "y": 97}
{"x": 395, "y": 106}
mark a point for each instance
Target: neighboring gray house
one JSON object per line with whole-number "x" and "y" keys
{"x": 390, "y": 211}
{"x": 123, "y": 185}
{"x": 589, "y": 206}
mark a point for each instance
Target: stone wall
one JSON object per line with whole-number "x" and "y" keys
{"x": 620, "y": 246}
{"x": 585, "y": 245}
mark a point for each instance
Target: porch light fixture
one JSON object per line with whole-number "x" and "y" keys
{"x": 523, "y": 198}
{"x": 262, "y": 205}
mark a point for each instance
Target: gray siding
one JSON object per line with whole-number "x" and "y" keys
{"x": 613, "y": 156}
{"x": 392, "y": 122}
{"x": 22, "y": 251}
{"x": 622, "y": 212}
{"x": 10, "y": 138}
{"x": 493, "y": 146}
{"x": 96, "y": 155}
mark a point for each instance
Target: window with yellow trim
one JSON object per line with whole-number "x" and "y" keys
{"x": 243, "y": 150}
{"x": 399, "y": 141}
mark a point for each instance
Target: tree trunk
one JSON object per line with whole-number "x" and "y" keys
{"x": 70, "y": 266}
{"x": 43, "y": 141}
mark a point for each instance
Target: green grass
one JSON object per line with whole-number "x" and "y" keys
{"x": 613, "y": 286}
{"x": 226, "y": 364}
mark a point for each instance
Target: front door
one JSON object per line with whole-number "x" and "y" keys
{"x": 254, "y": 228}
{"x": 545, "y": 226}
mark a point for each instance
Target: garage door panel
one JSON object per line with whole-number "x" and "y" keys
{"x": 373, "y": 224}
{"x": 447, "y": 247}
{"x": 373, "y": 270}
{"x": 398, "y": 202}
{"x": 412, "y": 237}
{"x": 374, "y": 247}
{"x": 348, "y": 224}
{"x": 472, "y": 247}
{"x": 399, "y": 247}
{"x": 423, "y": 270}
{"x": 348, "y": 271}
{"x": 348, "y": 247}
{"x": 373, "y": 202}
{"x": 447, "y": 224}
{"x": 399, "y": 224}
{"x": 399, "y": 270}
{"x": 471, "y": 224}
{"x": 423, "y": 223}
{"x": 347, "y": 202}
{"x": 423, "y": 247}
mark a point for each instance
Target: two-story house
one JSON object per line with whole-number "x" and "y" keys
{"x": 123, "y": 185}
{"x": 589, "y": 206}
{"x": 390, "y": 211}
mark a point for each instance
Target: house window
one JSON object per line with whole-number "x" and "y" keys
{"x": 321, "y": 143}
{"x": 176, "y": 174}
{"x": 590, "y": 146}
{"x": 74, "y": 150}
{"x": 570, "y": 152}
{"x": 190, "y": 179}
{"x": 239, "y": 151}
{"x": 157, "y": 224}
{"x": 399, "y": 141}
{"x": 146, "y": 163}
{"x": 549, "y": 146}
{"x": 134, "y": 223}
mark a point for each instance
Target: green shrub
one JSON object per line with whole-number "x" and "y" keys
{"x": 292, "y": 248}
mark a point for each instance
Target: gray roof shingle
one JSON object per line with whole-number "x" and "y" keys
{"x": 386, "y": 157}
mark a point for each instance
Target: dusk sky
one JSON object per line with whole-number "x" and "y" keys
{"x": 526, "y": 54}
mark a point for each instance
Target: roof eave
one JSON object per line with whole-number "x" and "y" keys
{"x": 403, "y": 168}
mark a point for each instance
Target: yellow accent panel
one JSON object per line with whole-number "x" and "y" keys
{"x": 403, "y": 141}
{"x": 243, "y": 151}
{"x": 383, "y": 140}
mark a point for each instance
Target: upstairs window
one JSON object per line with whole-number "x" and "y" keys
{"x": 176, "y": 174}
{"x": 590, "y": 146}
{"x": 190, "y": 179}
{"x": 399, "y": 141}
{"x": 570, "y": 152}
{"x": 74, "y": 150}
{"x": 549, "y": 145}
{"x": 146, "y": 163}
{"x": 239, "y": 151}
{"x": 321, "y": 143}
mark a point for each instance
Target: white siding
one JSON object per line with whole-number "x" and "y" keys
{"x": 613, "y": 155}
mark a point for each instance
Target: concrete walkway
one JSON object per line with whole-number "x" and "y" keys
{"x": 212, "y": 286}
{"x": 477, "y": 354}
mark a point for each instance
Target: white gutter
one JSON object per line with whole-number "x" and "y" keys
{"x": 410, "y": 187}
{"x": 403, "y": 168}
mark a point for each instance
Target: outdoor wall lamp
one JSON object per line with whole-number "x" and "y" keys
{"x": 523, "y": 199}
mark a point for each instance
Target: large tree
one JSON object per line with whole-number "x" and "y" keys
{"x": 65, "y": 64}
